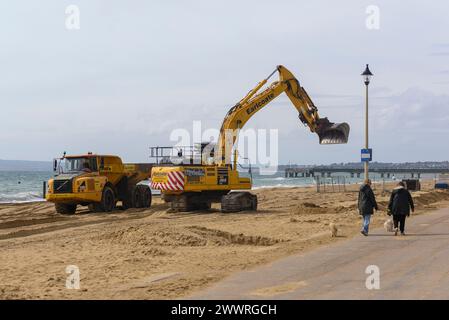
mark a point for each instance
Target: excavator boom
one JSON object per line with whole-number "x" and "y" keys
{"x": 238, "y": 115}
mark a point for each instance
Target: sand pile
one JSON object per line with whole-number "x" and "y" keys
{"x": 220, "y": 237}
{"x": 430, "y": 198}
{"x": 147, "y": 236}
{"x": 188, "y": 236}
{"x": 309, "y": 208}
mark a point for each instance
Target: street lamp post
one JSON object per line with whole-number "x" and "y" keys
{"x": 366, "y": 78}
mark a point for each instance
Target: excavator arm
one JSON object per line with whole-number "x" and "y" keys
{"x": 238, "y": 115}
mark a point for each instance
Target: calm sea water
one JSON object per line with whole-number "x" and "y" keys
{"x": 22, "y": 186}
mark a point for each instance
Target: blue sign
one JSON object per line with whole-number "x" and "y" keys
{"x": 367, "y": 155}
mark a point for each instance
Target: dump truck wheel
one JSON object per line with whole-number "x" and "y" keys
{"x": 142, "y": 196}
{"x": 108, "y": 199}
{"x": 146, "y": 196}
{"x": 128, "y": 201}
{"x": 63, "y": 208}
{"x": 137, "y": 196}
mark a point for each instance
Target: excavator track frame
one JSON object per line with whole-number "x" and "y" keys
{"x": 190, "y": 201}
{"x": 239, "y": 201}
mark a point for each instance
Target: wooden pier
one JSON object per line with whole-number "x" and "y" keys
{"x": 294, "y": 172}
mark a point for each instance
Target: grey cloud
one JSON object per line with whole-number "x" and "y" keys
{"x": 133, "y": 73}
{"x": 439, "y": 53}
{"x": 415, "y": 111}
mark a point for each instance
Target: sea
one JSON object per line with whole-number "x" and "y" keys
{"x": 27, "y": 186}
{"x": 22, "y": 186}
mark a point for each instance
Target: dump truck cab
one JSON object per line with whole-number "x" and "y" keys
{"x": 97, "y": 181}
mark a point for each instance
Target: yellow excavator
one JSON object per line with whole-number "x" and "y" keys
{"x": 205, "y": 175}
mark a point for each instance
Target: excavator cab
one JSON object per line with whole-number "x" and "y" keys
{"x": 332, "y": 133}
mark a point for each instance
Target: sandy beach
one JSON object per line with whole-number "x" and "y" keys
{"x": 156, "y": 254}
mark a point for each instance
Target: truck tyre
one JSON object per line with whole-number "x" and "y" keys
{"x": 137, "y": 195}
{"x": 128, "y": 200}
{"x": 108, "y": 199}
{"x": 63, "y": 208}
{"x": 146, "y": 196}
{"x": 142, "y": 196}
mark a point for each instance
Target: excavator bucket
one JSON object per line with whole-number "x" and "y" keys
{"x": 332, "y": 133}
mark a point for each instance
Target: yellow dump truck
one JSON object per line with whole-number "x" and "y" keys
{"x": 99, "y": 182}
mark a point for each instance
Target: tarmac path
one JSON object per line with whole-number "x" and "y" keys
{"x": 414, "y": 266}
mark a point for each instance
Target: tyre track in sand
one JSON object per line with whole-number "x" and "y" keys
{"x": 20, "y": 228}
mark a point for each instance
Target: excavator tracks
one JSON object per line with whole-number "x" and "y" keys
{"x": 188, "y": 202}
{"x": 238, "y": 201}
{"x": 230, "y": 202}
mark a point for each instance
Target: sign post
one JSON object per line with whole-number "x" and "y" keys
{"x": 366, "y": 155}
{"x": 366, "y": 79}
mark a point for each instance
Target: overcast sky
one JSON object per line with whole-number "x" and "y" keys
{"x": 136, "y": 70}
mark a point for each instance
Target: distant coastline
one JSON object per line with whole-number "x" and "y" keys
{"x": 25, "y": 165}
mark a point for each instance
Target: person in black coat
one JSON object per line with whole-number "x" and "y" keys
{"x": 399, "y": 206}
{"x": 366, "y": 203}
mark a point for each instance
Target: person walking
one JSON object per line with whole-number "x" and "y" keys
{"x": 366, "y": 203}
{"x": 401, "y": 202}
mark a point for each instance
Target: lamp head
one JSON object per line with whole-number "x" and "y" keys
{"x": 367, "y": 75}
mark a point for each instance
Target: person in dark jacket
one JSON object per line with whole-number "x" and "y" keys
{"x": 366, "y": 203}
{"x": 399, "y": 206}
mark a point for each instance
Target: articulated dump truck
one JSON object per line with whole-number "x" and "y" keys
{"x": 99, "y": 182}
